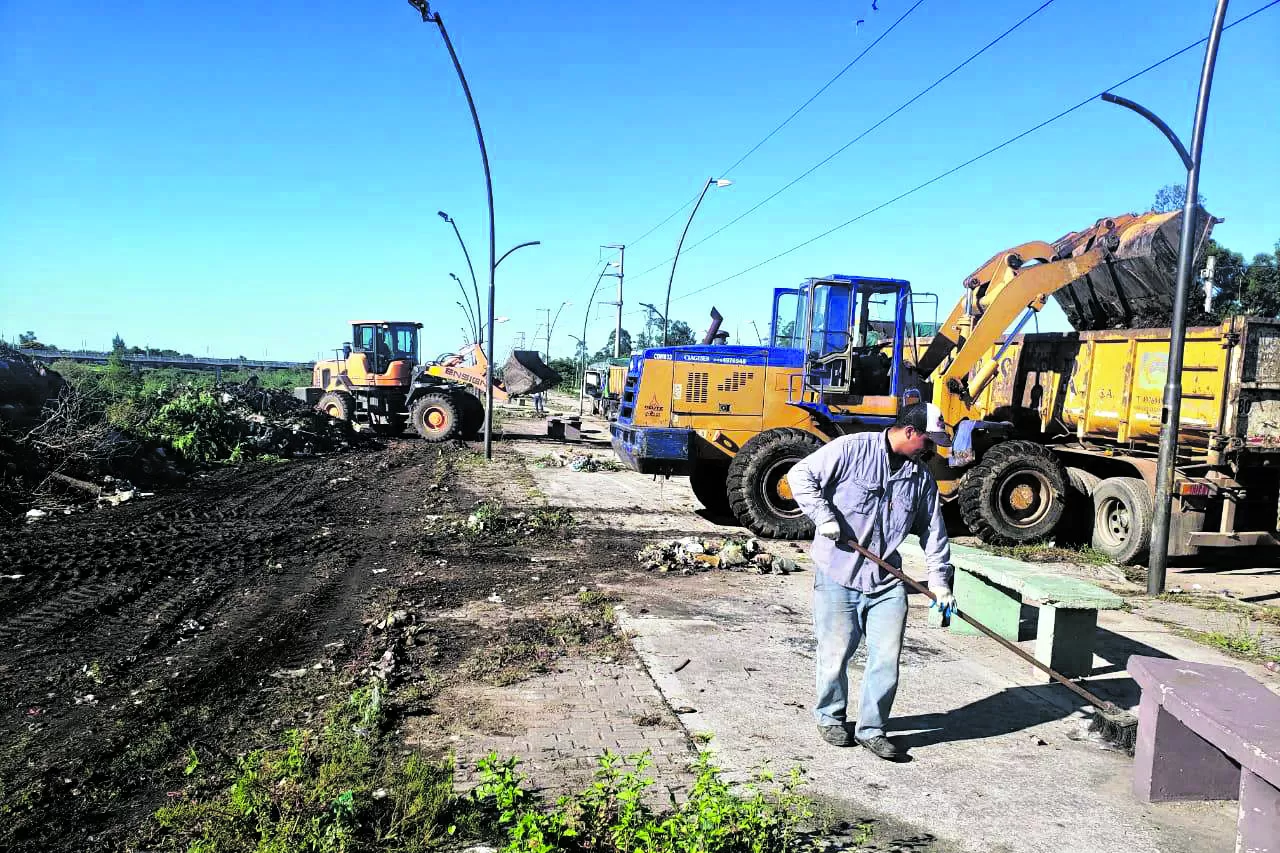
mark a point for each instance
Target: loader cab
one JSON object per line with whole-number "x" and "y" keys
{"x": 380, "y": 344}
{"x": 851, "y": 331}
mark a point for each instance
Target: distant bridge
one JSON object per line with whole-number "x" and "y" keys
{"x": 180, "y": 361}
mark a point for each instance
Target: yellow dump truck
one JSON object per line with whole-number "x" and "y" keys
{"x": 1040, "y": 421}
{"x": 1096, "y": 399}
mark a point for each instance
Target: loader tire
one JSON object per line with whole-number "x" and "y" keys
{"x": 757, "y": 485}
{"x": 338, "y": 404}
{"x": 1122, "y": 513}
{"x": 709, "y": 481}
{"x": 1015, "y": 494}
{"x": 471, "y": 410}
{"x": 435, "y": 417}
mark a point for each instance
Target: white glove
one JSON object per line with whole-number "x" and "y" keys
{"x": 943, "y": 599}
{"x": 829, "y": 529}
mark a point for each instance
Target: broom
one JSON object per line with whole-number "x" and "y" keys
{"x": 1112, "y": 723}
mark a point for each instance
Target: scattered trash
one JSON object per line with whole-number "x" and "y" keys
{"x": 684, "y": 709}
{"x": 578, "y": 461}
{"x": 36, "y": 515}
{"x": 682, "y": 666}
{"x": 692, "y": 553}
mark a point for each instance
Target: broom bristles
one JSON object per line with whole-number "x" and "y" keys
{"x": 1116, "y": 726}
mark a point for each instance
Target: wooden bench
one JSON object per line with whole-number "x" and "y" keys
{"x": 994, "y": 589}
{"x": 1210, "y": 732}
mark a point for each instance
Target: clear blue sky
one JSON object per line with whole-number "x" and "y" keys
{"x": 245, "y": 178}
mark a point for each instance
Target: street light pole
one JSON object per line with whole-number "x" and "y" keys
{"x": 719, "y": 182}
{"x": 1172, "y": 411}
{"x": 424, "y": 8}
{"x": 586, "y": 315}
{"x": 473, "y": 317}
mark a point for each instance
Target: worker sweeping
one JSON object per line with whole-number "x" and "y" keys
{"x": 872, "y": 488}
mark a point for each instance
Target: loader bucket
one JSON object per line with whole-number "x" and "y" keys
{"x": 526, "y": 373}
{"x": 1134, "y": 287}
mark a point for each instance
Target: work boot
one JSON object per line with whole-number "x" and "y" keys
{"x": 882, "y": 747}
{"x": 837, "y": 735}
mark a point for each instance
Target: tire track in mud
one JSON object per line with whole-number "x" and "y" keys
{"x": 172, "y": 612}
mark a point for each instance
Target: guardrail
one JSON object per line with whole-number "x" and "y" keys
{"x": 191, "y": 362}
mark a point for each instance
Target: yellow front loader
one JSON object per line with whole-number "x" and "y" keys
{"x": 378, "y": 380}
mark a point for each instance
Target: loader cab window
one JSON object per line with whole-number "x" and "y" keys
{"x": 789, "y": 316}
{"x": 829, "y": 326}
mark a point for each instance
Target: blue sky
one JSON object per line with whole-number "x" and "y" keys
{"x": 213, "y": 179}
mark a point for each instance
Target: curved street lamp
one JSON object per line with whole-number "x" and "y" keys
{"x": 719, "y": 182}
{"x": 474, "y": 286}
{"x": 473, "y": 315}
{"x": 1158, "y": 556}
{"x": 586, "y": 315}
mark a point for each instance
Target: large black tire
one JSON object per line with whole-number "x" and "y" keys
{"x": 709, "y": 481}
{"x": 1077, "y": 523}
{"x": 1016, "y": 494}
{"x": 338, "y": 404}
{"x": 1122, "y": 513}
{"x": 435, "y": 417}
{"x": 757, "y": 483}
{"x": 471, "y": 410}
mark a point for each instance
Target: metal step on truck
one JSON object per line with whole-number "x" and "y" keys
{"x": 1043, "y": 421}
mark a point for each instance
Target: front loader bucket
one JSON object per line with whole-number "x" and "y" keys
{"x": 1134, "y": 287}
{"x": 526, "y": 373}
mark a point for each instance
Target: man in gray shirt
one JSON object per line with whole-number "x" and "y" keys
{"x": 872, "y": 487}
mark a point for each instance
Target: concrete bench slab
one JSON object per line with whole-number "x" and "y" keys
{"x": 994, "y": 589}
{"x": 1209, "y": 732}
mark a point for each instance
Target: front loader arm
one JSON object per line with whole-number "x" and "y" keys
{"x": 1021, "y": 280}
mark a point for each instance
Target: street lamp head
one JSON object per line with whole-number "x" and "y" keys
{"x": 443, "y": 215}
{"x": 424, "y": 8}
{"x": 501, "y": 319}
{"x": 722, "y": 182}
{"x": 455, "y": 278}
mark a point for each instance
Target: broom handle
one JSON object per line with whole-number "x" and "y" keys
{"x": 921, "y": 588}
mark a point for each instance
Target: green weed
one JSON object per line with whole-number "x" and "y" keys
{"x": 613, "y": 814}
{"x": 1225, "y": 605}
{"x": 1241, "y": 643}
{"x": 1086, "y": 555}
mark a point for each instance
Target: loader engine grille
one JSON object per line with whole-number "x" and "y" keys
{"x": 736, "y": 381}
{"x": 695, "y": 388}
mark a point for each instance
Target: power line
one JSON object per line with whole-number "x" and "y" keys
{"x": 787, "y": 120}
{"x": 825, "y": 87}
{"x": 834, "y": 154}
{"x": 975, "y": 159}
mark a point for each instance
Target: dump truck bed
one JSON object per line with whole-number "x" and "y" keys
{"x": 1108, "y": 386}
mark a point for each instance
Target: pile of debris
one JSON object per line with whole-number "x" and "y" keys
{"x": 578, "y": 461}
{"x": 272, "y": 421}
{"x": 696, "y": 554}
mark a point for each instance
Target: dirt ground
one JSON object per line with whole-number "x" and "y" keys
{"x": 196, "y": 623}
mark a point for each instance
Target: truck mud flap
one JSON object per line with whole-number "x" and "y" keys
{"x": 1134, "y": 288}
{"x": 526, "y": 373}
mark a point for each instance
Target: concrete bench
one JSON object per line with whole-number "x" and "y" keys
{"x": 1210, "y": 733}
{"x": 994, "y": 589}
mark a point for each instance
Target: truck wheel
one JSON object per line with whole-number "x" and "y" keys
{"x": 337, "y": 404}
{"x": 435, "y": 417}
{"x": 1122, "y": 510}
{"x": 1015, "y": 494}
{"x": 1077, "y": 522}
{"x": 757, "y": 485}
{"x": 471, "y": 412}
{"x": 709, "y": 483}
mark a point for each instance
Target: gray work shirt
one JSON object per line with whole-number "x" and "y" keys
{"x": 849, "y": 480}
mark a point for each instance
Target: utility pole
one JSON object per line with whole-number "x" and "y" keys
{"x": 617, "y": 329}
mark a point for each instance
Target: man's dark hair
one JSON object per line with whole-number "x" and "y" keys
{"x": 916, "y": 415}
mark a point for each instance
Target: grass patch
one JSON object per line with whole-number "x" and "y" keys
{"x": 611, "y": 814}
{"x": 490, "y": 520}
{"x": 1086, "y": 555}
{"x": 530, "y": 646}
{"x": 341, "y": 787}
{"x": 1241, "y": 643}
{"x": 1270, "y": 615}
{"x": 347, "y": 787}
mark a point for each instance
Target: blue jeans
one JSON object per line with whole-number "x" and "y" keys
{"x": 841, "y": 617}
